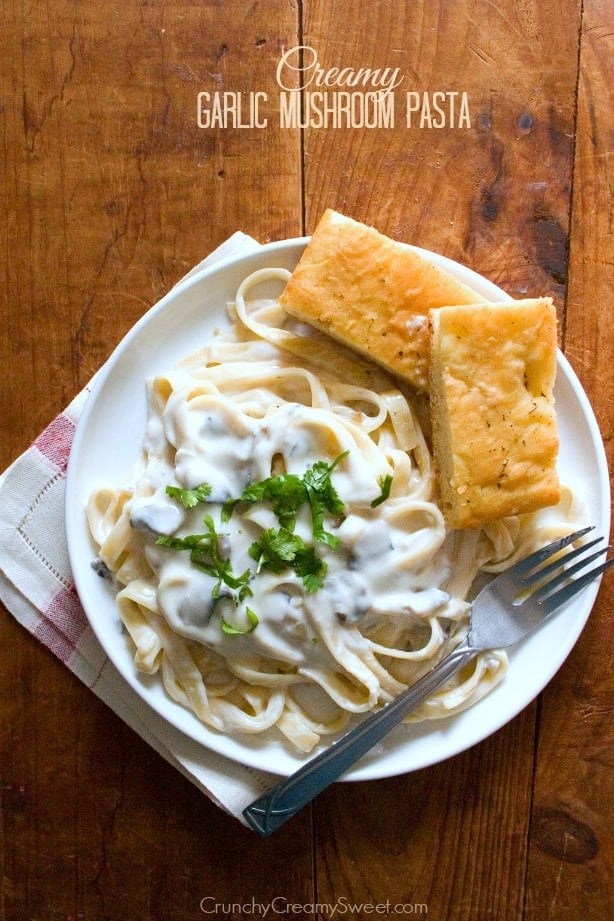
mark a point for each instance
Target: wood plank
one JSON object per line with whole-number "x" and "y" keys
{"x": 451, "y": 837}
{"x": 497, "y": 198}
{"x": 110, "y": 192}
{"x": 113, "y": 191}
{"x": 572, "y": 847}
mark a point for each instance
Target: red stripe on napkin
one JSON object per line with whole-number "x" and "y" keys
{"x": 54, "y": 443}
{"x": 51, "y": 637}
{"x": 64, "y": 611}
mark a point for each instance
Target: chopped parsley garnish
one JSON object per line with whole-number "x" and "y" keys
{"x": 385, "y": 483}
{"x": 277, "y": 550}
{"x": 287, "y": 493}
{"x": 205, "y": 554}
{"x": 189, "y": 497}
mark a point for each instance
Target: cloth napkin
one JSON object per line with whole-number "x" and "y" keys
{"x": 36, "y": 586}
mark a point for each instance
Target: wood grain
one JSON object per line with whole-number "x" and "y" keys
{"x": 495, "y": 197}
{"x": 452, "y": 837}
{"x": 113, "y": 191}
{"x": 572, "y": 847}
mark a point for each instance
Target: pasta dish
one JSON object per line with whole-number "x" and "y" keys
{"x": 279, "y": 556}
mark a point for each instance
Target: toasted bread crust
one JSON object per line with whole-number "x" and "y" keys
{"x": 495, "y": 435}
{"x": 372, "y": 293}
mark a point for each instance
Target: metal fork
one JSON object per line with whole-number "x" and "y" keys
{"x": 509, "y": 608}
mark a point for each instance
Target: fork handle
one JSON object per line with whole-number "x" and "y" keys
{"x": 284, "y": 800}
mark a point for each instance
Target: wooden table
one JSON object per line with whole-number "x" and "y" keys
{"x": 111, "y": 191}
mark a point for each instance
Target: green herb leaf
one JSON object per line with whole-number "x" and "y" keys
{"x": 205, "y": 555}
{"x": 310, "y": 568}
{"x": 385, "y": 483}
{"x": 285, "y": 492}
{"x": 181, "y": 543}
{"x": 318, "y": 480}
{"x": 279, "y": 550}
{"x": 230, "y": 630}
{"x": 275, "y": 550}
{"x": 323, "y": 497}
{"x": 190, "y": 497}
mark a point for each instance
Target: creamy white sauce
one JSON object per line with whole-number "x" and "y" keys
{"x": 378, "y": 567}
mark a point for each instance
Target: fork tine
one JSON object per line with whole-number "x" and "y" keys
{"x": 553, "y": 602}
{"x": 536, "y": 575}
{"x": 565, "y": 574}
{"x": 540, "y": 556}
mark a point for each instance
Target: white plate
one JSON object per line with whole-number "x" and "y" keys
{"x": 108, "y": 441}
